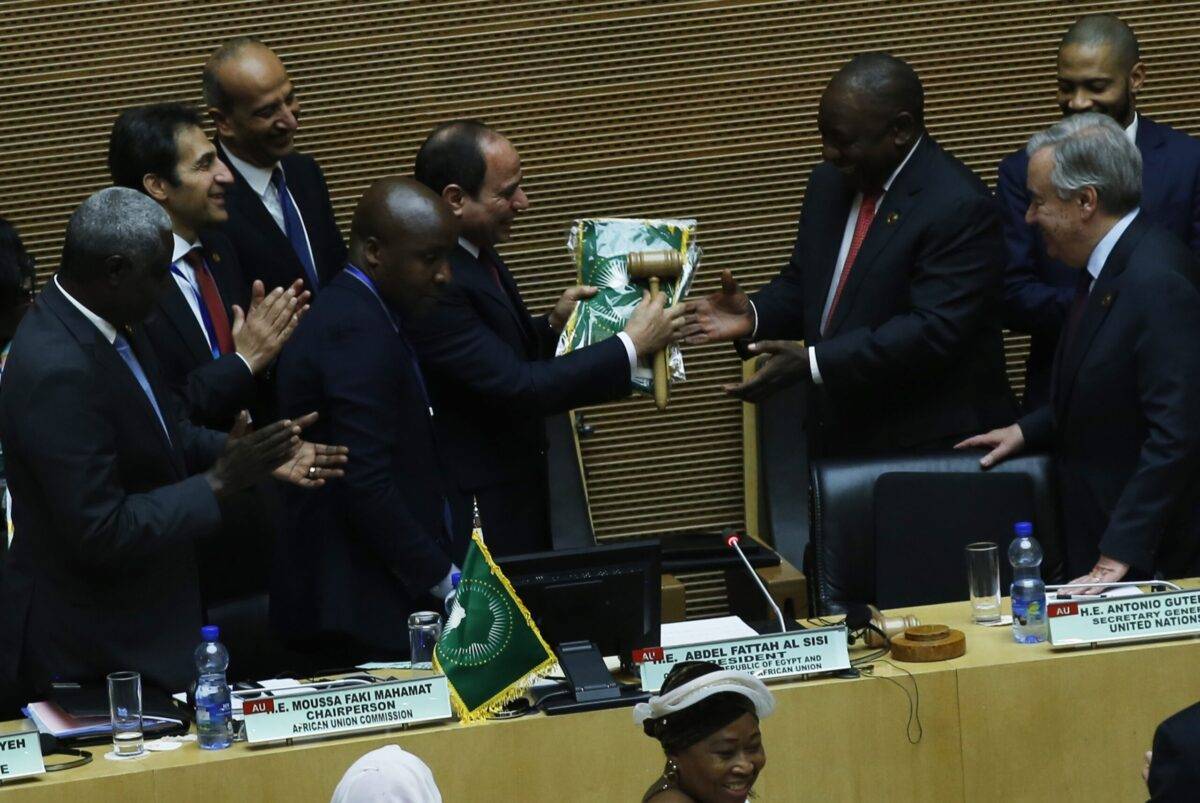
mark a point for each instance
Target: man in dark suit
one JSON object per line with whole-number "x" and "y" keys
{"x": 893, "y": 283}
{"x": 358, "y": 556}
{"x": 1124, "y": 415}
{"x": 1099, "y": 70}
{"x": 211, "y": 353}
{"x": 280, "y": 217}
{"x": 492, "y": 373}
{"x": 114, "y": 486}
{"x": 1173, "y": 766}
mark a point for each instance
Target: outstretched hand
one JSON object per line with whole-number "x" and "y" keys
{"x": 312, "y": 463}
{"x": 784, "y": 362}
{"x": 723, "y": 315}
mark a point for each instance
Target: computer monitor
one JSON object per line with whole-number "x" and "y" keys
{"x": 588, "y": 603}
{"x": 610, "y": 595}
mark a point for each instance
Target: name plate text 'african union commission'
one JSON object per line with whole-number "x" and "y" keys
{"x": 781, "y": 655}
{"x": 20, "y": 755}
{"x": 358, "y": 708}
{"x": 1150, "y": 616}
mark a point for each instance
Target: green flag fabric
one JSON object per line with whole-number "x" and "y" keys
{"x": 490, "y": 651}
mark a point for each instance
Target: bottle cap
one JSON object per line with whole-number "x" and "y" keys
{"x": 210, "y": 632}
{"x": 455, "y": 577}
{"x": 1024, "y": 529}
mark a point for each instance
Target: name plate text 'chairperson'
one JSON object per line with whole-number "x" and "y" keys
{"x": 1172, "y": 614}
{"x": 770, "y": 656}
{"x": 358, "y": 708}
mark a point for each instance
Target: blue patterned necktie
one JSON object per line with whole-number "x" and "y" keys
{"x": 294, "y": 228}
{"x": 126, "y": 352}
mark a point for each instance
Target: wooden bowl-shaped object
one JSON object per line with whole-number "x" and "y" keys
{"x": 926, "y": 643}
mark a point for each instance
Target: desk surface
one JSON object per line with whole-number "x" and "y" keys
{"x": 1004, "y": 722}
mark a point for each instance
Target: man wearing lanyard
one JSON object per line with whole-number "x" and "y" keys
{"x": 280, "y": 217}
{"x": 212, "y": 354}
{"x": 361, "y": 554}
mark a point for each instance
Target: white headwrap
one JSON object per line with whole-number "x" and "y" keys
{"x": 387, "y": 775}
{"x": 706, "y": 686}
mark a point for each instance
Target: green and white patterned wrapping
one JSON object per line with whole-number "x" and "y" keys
{"x": 599, "y": 247}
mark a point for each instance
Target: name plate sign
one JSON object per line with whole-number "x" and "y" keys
{"x": 1149, "y": 616}
{"x": 20, "y": 755}
{"x": 346, "y": 710}
{"x": 782, "y": 655}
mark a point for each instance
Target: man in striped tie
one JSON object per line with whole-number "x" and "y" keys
{"x": 212, "y": 353}
{"x": 893, "y": 284}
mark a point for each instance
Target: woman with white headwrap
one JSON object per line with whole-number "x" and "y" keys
{"x": 387, "y": 775}
{"x": 706, "y": 719}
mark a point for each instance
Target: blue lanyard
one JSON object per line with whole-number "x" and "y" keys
{"x": 366, "y": 280}
{"x": 205, "y": 317}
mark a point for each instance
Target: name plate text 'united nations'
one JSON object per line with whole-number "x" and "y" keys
{"x": 783, "y": 655}
{"x": 1150, "y": 616}
{"x": 358, "y": 708}
{"x": 20, "y": 755}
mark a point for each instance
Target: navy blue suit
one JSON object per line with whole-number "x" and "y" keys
{"x": 493, "y": 378}
{"x": 357, "y": 556}
{"x": 263, "y": 249}
{"x": 102, "y": 573}
{"x": 912, "y": 358}
{"x": 1175, "y": 766}
{"x": 1124, "y": 418}
{"x": 1038, "y": 290}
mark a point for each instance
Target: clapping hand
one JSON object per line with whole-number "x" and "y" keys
{"x": 312, "y": 463}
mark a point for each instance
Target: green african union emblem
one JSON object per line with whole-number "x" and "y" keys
{"x": 490, "y": 650}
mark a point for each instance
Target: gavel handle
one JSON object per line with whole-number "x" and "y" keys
{"x": 661, "y": 390}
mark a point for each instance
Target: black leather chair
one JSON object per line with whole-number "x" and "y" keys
{"x": 892, "y": 530}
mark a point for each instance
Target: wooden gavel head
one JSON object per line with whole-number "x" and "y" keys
{"x": 663, "y": 264}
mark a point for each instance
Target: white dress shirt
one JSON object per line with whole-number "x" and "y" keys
{"x": 191, "y": 288}
{"x": 1104, "y": 248}
{"x": 847, "y": 239}
{"x": 625, "y": 339}
{"x": 107, "y": 329}
{"x": 1131, "y": 129}
{"x": 259, "y": 179}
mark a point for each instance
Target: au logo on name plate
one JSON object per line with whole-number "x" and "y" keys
{"x": 1149, "y": 616}
{"x": 776, "y": 655}
{"x": 382, "y": 705}
{"x": 20, "y": 755}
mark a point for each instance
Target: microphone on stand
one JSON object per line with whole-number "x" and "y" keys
{"x": 732, "y": 539}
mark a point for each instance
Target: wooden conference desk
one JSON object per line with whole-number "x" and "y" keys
{"x": 1006, "y": 722}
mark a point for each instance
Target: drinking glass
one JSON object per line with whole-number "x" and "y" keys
{"x": 424, "y": 629}
{"x": 983, "y": 581}
{"x": 125, "y": 706}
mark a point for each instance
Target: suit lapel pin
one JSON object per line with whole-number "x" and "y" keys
{"x": 216, "y": 257}
{"x": 892, "y": 217}
{"x": 1106, "y": 300}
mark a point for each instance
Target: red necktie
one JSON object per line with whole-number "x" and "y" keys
{"x": 212, "y": 301}
{"x": 866, "y": 213}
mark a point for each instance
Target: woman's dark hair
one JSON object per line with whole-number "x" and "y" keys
{"x": 700, "y": 720}
{"x": 16, "y": 268}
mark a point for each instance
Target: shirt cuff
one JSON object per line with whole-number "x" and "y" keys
{"x": 812, "y": 365}
{"x": 630, "y": 351}
{"x": 754, "y": 312}
{"x": 443, "y": 589}
{"x": 246, "y": 363}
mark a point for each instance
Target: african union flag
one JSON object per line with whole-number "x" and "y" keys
{"x": 490, "y": 650}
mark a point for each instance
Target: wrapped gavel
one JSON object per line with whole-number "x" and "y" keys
{"x": 653, "y": 267}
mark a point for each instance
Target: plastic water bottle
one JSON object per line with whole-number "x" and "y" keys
{"x": 455, "y": 577}
{"x": 214, "y": 724}
{"x": 1028, "y": 590}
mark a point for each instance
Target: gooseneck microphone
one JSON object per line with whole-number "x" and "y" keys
{"x": 733, "y": 539}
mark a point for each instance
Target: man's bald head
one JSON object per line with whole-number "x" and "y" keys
{"x": 251, "y": 101}
{"x": 884, "y": 82}
{"x": 1108, "y": 31}
{"x": 401, "y": 236}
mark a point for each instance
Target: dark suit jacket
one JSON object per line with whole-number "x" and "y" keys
{"x": 102, "y": 571}
{"x": 1175, "y": 766}
{"x": 493, "y": 377}
{"x": 913, "y": 354}
{"x": 356, "y": 555}
{"x": 262, "y": 248}
{"x": 1124, "y": 422}
{"x": 213, "y": 391}
{"x": 1038, "y": 290}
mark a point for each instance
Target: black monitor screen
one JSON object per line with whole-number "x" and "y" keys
{"x": 609, "y": 595}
